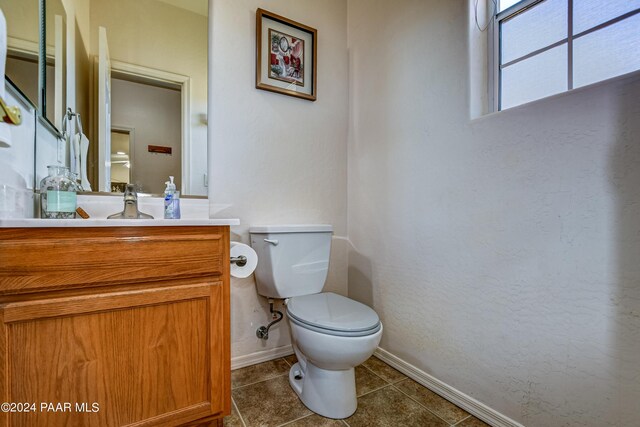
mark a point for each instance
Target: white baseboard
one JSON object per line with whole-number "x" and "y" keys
{"x": 468, "y": 403}
{"x": 260, "y": 356}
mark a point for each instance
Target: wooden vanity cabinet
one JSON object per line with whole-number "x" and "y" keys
{"x": 114, "y": 326}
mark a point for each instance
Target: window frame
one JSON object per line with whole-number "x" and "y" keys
{"x": 495, "y": 45}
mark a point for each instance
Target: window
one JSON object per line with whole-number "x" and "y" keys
{"x": 544, "y": 47}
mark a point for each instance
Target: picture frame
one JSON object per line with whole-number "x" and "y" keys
{"x": 286, "y": 56}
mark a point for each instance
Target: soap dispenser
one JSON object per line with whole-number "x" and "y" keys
{"x": 171, "y": 200}
{"x": 58, "y": 198}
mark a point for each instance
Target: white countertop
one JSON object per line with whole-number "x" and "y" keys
{"x": 40, "y": 222}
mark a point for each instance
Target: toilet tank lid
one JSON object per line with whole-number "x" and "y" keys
{"x": 291, "y": 228}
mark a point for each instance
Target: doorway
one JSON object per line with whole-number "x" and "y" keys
{"x": 152, "y": 111}
{"x": 157, "y": 105}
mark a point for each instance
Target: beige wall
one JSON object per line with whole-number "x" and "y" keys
{"x": 277, "y": 159}
{"x": 501, "y": 253}
{"x": 23, "y": 20}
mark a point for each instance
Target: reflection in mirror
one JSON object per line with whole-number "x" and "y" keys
{"x": 151, "y": 73}
{"x": 23, "y": 33}
{"x": 138, "y": 105}
{"x": 154, "y": 48}
{"x": 55, "y": 79}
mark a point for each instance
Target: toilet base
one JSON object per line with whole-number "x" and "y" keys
{"x": 331, "y": 394}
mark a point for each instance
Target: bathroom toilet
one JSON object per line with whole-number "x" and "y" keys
{"x": 330, "y": 334}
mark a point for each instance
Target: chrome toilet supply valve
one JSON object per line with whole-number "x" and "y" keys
{"x": 240, "y": 261}
{"x": 263, "y": 331}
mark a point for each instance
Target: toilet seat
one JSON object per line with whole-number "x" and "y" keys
{"x": 333, "y": 314}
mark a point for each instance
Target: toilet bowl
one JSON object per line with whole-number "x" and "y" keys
{"x": 331, "y": 334}
{"x": 324, "y": 377}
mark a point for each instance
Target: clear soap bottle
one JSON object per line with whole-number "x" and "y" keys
{"x": 58, "y": 194}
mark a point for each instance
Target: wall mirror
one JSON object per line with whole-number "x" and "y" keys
{"x": 150, "y": 69}
{"x": 134, "y": 75}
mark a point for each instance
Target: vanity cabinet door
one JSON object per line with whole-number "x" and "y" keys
{"x": 140, "y": 357}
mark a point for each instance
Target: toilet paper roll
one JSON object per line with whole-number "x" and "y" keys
{"x": 240, "y": 249}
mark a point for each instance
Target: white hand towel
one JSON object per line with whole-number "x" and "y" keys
{"x": 5, "y": 130}
{"x": 74, "y": 154}
{"x": 84, "y": 150}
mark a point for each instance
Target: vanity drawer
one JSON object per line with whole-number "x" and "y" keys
{"x": 42, "y": 259}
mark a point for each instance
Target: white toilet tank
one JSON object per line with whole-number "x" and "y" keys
{"x": 293, "y": 260}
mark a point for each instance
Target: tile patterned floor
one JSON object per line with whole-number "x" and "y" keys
{"x": 262, "y": 397}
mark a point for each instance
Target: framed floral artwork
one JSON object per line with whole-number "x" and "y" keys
{"x": 286, "y": 56}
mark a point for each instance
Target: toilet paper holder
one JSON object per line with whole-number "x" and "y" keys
{"x": 240, "y": 261}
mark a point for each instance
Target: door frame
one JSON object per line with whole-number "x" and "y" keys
{"x": 146, "y": 73}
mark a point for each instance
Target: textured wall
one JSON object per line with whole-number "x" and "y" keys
{"x": 501, "y": 253}
{"x": 276, "y": 159}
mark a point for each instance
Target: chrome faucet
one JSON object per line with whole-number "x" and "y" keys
{"x": 130, "y": 206}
